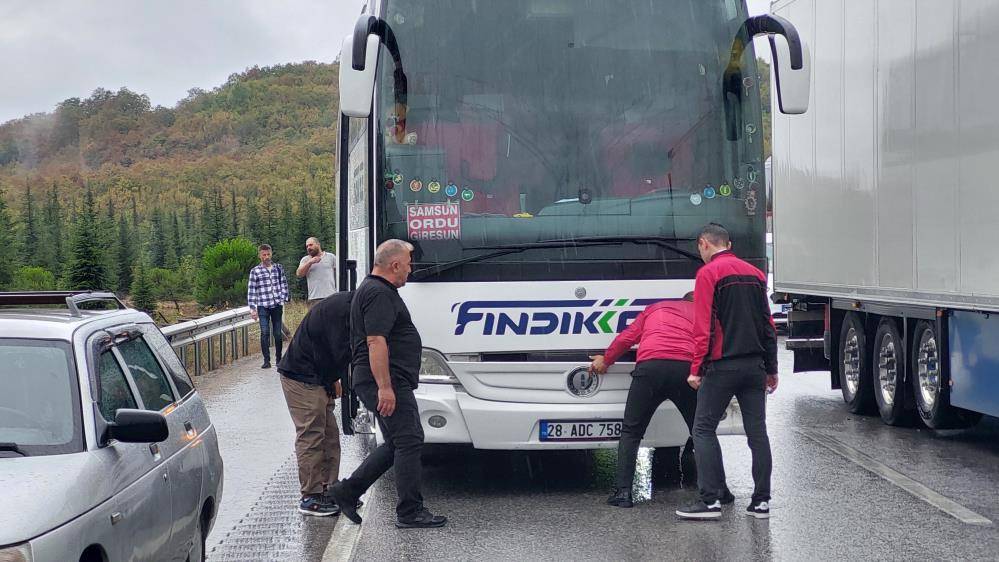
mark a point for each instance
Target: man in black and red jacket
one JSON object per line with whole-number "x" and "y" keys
{"x": 735, "y": 354}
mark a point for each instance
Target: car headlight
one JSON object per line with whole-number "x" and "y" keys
{"x": 19, "y": 553}
{"x": 434, "y": 369}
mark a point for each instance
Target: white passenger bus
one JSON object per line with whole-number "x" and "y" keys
{"x": 552, "y": 162}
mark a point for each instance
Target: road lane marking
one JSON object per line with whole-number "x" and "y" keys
{"x": 346, "y": 534}
{"x": 915, "y": 488}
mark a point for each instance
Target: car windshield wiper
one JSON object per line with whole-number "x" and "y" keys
{"x": 4, "y": 446}
{"x": 506, "y": 249}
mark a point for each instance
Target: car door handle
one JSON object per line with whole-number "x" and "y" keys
{"x": 154, "y": 449}
{"x": 191, "y": 432}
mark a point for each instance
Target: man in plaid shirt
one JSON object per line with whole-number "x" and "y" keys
{"x": 266, "y": 293}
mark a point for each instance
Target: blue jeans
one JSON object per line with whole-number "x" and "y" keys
{"x": 270, "y": 323}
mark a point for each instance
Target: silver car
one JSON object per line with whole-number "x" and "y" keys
{"x": 106, "y": 450}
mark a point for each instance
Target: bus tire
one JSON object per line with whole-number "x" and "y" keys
{"x": 931, "y": 382}
{"x": 888, "y": 367}
{"x": 855, "y": 366}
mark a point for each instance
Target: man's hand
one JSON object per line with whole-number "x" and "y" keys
{"x": 316, "y": 259}
{"x": 598, "y": 366}
{"x": 338, "y": 390}
{"x": 253, "y": 314}
{"x": 386, "y": 401}
{"x": 694, "y": 381}
{"x": 771, "y": 383}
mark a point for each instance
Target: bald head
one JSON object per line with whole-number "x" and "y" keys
{"x": 392, "y": 261}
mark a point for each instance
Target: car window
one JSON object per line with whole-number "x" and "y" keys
{"x": 39, "y": 396}
{"x": 181, "y": 380}
{"x": 149, "y": 378}
{"x": 115, "y": 393}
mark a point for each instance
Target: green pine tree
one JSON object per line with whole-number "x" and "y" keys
{"x": 54, "y": 256}
{"x": 125, "y": 255}
{"x": 31, "y": 249}
{"x": 157, "y": 239}
{"x": 8, "y": 251}
{"x": 87, "y": 266}
{"x": 143, "y": 291}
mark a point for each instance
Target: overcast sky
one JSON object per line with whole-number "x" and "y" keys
{"x": 51, "y": 50}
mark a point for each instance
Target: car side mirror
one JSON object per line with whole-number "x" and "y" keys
{"x": 138, "y": 426}
{"x": 793, "y": 86}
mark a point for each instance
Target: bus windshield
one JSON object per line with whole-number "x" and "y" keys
{"x": 525, "y": 121}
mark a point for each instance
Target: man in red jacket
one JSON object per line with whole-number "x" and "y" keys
{"x": 664, "y": 334}
{"x": 735, "y": 354}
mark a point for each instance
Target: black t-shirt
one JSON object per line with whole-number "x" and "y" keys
{"x": 378, "y": 310}
{"x": 320, "y": 351}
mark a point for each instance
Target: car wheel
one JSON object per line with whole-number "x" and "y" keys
{"x": 888, "y": 368}
{"x": 931, "y": 384}
{"x": 854, "y": 362}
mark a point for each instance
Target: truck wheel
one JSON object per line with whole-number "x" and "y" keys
{"x": 889, "y": 373}
{"x": 931, "y": 385}
{"x": 854, "y": 373}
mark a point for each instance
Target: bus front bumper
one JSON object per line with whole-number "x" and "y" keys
{"x": 450, "y": 415}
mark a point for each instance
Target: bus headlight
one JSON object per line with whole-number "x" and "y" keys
{"x": 434, "y": 369}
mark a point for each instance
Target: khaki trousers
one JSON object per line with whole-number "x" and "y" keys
{"x": 317, "y": 439}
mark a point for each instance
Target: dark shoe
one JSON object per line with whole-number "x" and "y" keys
{"x": 313, "y": 504}
{"x": 348, "y": 505}
{"x": 727, "y": 497}
{"x": 759, "y": 510}
{"x": 621, "y": 498}
{"x": 328, "y": 498}
{"x": 422, "y": 520}
{"x": 266, "y": 365}
{"x": 698, "y": 510}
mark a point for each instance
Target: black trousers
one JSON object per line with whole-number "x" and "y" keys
{"x": 403, "y": 448}
{"x": 652, "y": 383}
{"x": 270, "y": 324}
{"x": 746, "y": 380}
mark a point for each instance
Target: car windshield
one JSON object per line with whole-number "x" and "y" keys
{"x": 39, "y": 398}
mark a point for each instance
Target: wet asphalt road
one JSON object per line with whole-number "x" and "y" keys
{"x": 550, "y": 506}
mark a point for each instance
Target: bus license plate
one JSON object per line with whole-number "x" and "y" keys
{"x": 580, "y": 430}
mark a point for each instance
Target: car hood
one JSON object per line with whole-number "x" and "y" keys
{"x": 38, "y": 494}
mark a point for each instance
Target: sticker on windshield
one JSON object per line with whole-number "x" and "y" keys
{"x": 709, "y": 191}
{"x": 725, "y": 190}
{"x": 397, "y": 177}
{"x": 434, "y": 186}
{"x": 434, "y": 221}
{"x": 467, "y": 194}
{"x": 451, "y": 190}
{"x": 751, "y": 202}
{"x": 695, "y": 199}
{"x": 416, "y": 185}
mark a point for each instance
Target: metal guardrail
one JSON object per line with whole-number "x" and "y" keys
{"x": 226, "y": 331}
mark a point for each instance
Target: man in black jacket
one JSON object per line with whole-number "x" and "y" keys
{"x": 310, "y": 377}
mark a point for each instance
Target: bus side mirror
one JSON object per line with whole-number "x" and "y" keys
{"x": 357, "y": 87}
{"x": 792, "y": 85}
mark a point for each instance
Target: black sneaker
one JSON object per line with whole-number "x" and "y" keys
{"x": 698, "y": 510}
{"x": 422, "y": 520}
{"x": 347, "y": 504}
{"x": 266, "y": 365}
{"x": 759, "y": 510}
{"x": 313, "y": 504}
{"x": 727, "y": 497}
{"x": 621, "y": 498}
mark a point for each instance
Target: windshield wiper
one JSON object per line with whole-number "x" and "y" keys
{"x": 4, "y": 446}
{"x": 506, "y": 249}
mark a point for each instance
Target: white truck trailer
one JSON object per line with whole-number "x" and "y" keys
{"x": 885, "y": 201}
